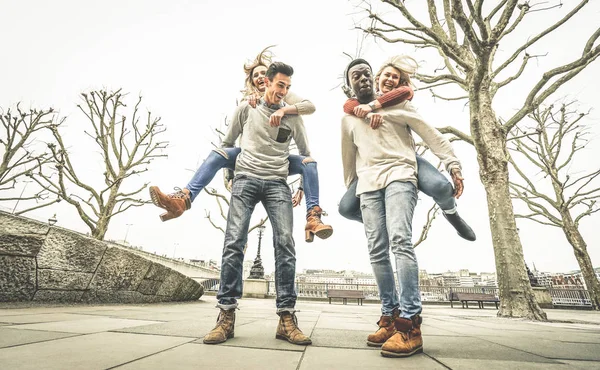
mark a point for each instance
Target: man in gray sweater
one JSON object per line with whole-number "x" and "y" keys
{"x": 384, "y": 162}
{"x": 261, "y": 173}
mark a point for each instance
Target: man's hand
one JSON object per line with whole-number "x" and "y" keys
{"x": 457, "y": 178}
{"x": 252, "y": 100}
{"x": 375, "y": 120}
{"x": 297, "y": 198}
{"x": 362, "y": 110}
{"x": 276, "y": 117}
{"x": 229, "y": 185}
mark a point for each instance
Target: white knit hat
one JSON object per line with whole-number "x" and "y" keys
{"x": 403, "y": 63}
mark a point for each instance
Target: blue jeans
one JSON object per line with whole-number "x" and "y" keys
{"x": 225, "y": 158}
{"x": 429, "y": 180}
{"x": 275, "y": 196}
{"x": 387, "y": 215}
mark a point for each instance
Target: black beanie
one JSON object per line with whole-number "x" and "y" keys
{"x": 352, "y": 64}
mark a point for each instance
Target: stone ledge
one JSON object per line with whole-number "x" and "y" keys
{"x": 38, "y": 263}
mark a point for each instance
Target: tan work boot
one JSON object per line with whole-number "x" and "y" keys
{"x": 288, "y": 329}
{"x": 406, "y": 341}
{"x": 224, "y": 329}
{"x": 175, "y": 203}
{"x": 314, "y": 225}
{"x": 385, "y": 331}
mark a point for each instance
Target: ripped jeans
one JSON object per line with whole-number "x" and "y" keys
{"x": 225, "y": 158}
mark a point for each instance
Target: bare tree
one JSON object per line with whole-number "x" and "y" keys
{"x": 467, "y": 41}
{"x": 127, "y": 147}
{"x": 552, "y": 146}
{"x": 20, "y": 129}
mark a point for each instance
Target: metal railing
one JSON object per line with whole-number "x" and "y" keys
{"x": 560, "y": 297}
{"x": 570, "y": 297}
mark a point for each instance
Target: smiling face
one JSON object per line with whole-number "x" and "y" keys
{"x": 360, "y": 77}
{"x": 277, "y": 89}
{"x": 258, "y": 78}
{"x": 389, "y": 79}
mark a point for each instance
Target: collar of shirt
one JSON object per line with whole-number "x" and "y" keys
{"x": 271, "y": 106}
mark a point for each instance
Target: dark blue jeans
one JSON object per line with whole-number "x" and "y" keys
{"x": 225, "y": 158}
{"x": 429, "y": 180}
{"x": 275, "y": 196}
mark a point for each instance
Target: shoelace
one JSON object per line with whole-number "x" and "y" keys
{"x": 178, "y": 194}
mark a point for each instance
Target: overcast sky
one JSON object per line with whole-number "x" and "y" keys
{"x": 186, "y": 57}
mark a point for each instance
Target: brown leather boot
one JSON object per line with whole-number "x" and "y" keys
{"x": 406, "y": 341}
{"x": 385, "y": 331}
{"x": 175, "y": 203}
{"x": 288, "y": 329}
{"x": 224, "y": 328}
{"x": 314, "y": 225}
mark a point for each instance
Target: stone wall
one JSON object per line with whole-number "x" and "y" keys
{"x": 43, "y": 263}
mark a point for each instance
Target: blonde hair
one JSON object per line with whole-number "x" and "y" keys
{"x": 407, "y": 66}
{"x": 264, "y": 58}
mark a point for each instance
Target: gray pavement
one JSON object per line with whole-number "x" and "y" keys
{"x": 169, "y": 336}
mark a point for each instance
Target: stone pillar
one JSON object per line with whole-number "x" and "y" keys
{"x": 256, "y": 288}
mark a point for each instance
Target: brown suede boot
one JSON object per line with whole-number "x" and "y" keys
{"x": 406, "y": 341}
{"x": 385, "y": 331}
{"x": 224, "y": 328}
{"x": 314, "y": 225}
{"x": 175, "y": 203}
{"x": 288, "y": 329}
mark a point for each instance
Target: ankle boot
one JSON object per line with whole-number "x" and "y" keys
{"x": 385, "y": 331}
{"x": 407, "y": 340}
{"x": 175, "y": 203}
{"x": 288, "y": 329}
{"x": 224, "y": 328}
{"x": 461, "y": 227}
{"x": 314, "y": 225}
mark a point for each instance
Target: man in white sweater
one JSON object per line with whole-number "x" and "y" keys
{"x": 384, "y": 162}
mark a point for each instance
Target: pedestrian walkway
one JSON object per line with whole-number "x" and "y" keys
{"x": 169, "y": 336}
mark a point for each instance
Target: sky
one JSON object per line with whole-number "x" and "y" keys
{"x": 185, "y": 58}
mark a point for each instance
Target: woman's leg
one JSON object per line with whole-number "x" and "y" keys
{"x": 180, "y": 201}
{"x": 307, "y": 168}
{"x": 350, "y": 204}
{"x": 434, "y": 184}
{"x": 216, "y": 160}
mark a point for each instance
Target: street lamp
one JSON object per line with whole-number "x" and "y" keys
{"x": 52, "y": 220}
{"x": 257, "y": 271}
{"x": 126, "y": 233}
{"x": 21, "y": 196}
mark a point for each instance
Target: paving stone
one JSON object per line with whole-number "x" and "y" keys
{"x": 14, "y": 337}
{"x": 44, "y": 317}
{"x": 556, "y": 349}
{"x": 194, "y": 328}
{"x": 339, "y": 358}
{"x": 90, "y": 352}
{"x": 475, "y": 348}
{"x": 341, "y": 338}
{"x": 204, "y": 356}
{"x": 467, "y": 363}
{"x": 94, "y": 325}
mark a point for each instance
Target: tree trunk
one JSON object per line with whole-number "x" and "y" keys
{"x": 583, "y": 258}
{"x": 516, "y": 295}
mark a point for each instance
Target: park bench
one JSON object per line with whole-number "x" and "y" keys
{"x": 346, "y": 294}
{"x": 480, "y": 298}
